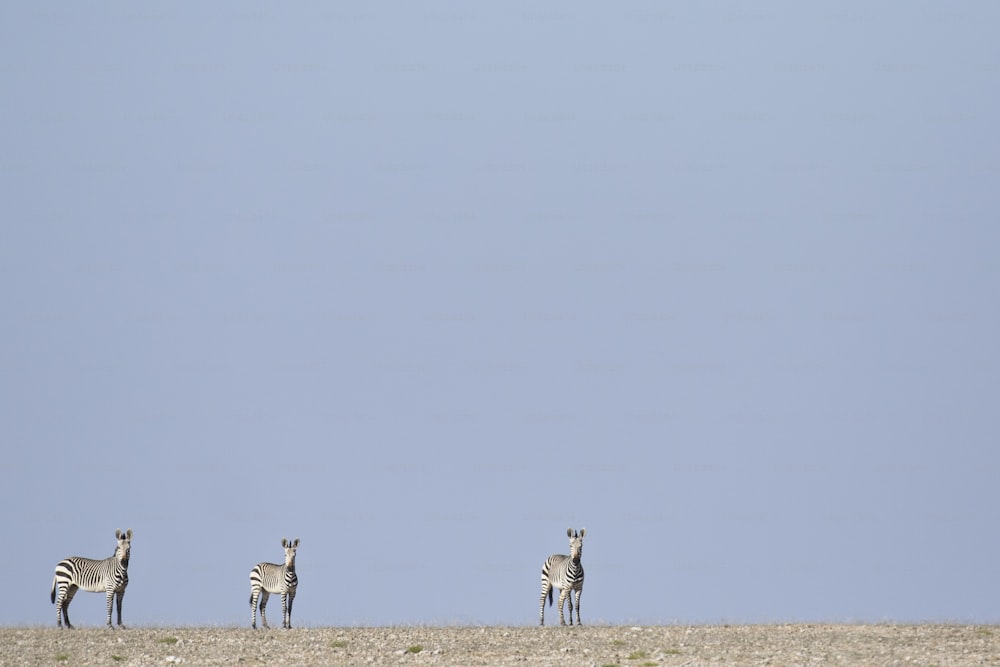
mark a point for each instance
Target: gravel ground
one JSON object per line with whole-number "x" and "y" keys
{"x": 598, "y": 645}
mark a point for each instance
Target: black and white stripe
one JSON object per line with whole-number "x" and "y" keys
{"x": 267, "y": 578}
{"x": 566, "y": 574}
{"x": 109, "y": 575}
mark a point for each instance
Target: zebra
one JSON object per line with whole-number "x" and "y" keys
{"x": 109, "y": 575}
{"x": 267, "y": 578}
{"x": 566, "y": 574}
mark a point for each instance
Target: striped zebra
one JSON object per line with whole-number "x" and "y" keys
{"x": 109, "y": 575}
{"x": 566, "y": 574}
{"x": 267, "y": 578}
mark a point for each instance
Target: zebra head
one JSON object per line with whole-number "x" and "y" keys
{"x": 575, "y": 543}
{"x": 124, "y": 549}
{"x": 290, "y": 548}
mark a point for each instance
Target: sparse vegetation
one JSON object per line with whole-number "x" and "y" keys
{"x": 340, "y": 643}
{"x": 167, "y": 640}
{"x": 416, "y": 648}
{"x": 62, "y": 657}
{"x": 118, "y": 658}
{"x": 638, "y": 655}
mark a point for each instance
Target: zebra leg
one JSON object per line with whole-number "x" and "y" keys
{"x": 67, "y": 597}
{"x": 569, "y": 600}
{"x": 287, "y": 616}
{"x": 546, "y": 590}
{"x": 65, "y": 613}
{"x": 60, "y": 602}
{"x": 578, "y": 621}
{"x": 120, "y": 596}
{"x": 254, "y": 593}
{"x": 562, "y": 598}
{"x": 264, "y": 595}
{"x": 111, "y": 601}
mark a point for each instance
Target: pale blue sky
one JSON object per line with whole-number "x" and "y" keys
{"x": 426, "y": 284}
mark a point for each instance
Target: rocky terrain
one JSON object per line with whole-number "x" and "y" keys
{"x": 598, "y": 645}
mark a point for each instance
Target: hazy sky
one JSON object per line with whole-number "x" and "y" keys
{"x": 425, "y": 284}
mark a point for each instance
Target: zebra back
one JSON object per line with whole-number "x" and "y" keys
{"x": 273, "y": 578}
{"x": 91, "y": 575}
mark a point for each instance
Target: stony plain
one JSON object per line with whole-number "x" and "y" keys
{"x": 600, "y": 645}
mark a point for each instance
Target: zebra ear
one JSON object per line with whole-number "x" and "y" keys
{"x": 296, "y": 543}
{"x": 118, "y": 534}
{"x": 569, "y": 532}
{"x": 128, "y": 533}
{"x": 284, "y": 542}
{"x": 583, "y": 531}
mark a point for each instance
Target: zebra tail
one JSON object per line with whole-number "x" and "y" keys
{"x": 550, "y": 596}
{"x": 53, "y": 596}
